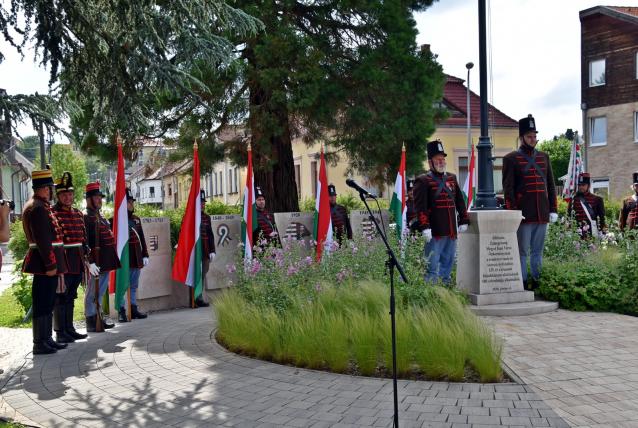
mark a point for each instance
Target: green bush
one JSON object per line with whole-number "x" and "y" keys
{"x": 18, "y": 244}
{"x": 346, "y": 329}
{"x": 21, "y": 287}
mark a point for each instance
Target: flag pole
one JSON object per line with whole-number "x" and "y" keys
{"x": 130, "y": 309}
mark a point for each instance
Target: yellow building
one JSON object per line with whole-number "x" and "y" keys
{"x": 226, "y": 181}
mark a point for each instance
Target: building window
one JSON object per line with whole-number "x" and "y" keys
{"x": 600, "y": 187}
{"x": 636, "y": 65}
{"x": 313, "y": 178}
{"x": 221, "y": 182}
{"x": 462, "y": 170}
{"x": 152, "y": 191}
{"x": 170, "y": 190}
{"x": 598, "y": 131}
{"x": 636, "y": 127}
{"x": 597, "y": 72}
{"x": 298, "y": 179}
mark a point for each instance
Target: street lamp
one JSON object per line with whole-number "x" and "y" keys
{"x": 485, "y": 196}
{"x": 469, "y": 66}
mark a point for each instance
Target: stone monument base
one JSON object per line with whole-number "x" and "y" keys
{"x": 489, "y": 269}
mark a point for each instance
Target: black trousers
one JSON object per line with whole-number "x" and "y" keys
{"x": 72, "y": 282}
{"x": 43, "y": 294}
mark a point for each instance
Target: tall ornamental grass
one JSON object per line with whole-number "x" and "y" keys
{"x": 346, "y": 329}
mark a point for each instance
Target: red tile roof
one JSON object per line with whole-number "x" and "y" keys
{"x": 630, "y": 10}
{"x": 455, "y": 99}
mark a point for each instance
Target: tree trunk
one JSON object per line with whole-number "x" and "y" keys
{"x": 273, "y": 161}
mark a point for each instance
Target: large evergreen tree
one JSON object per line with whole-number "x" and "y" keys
{"x": 109, "y": 60}
{"x": 348, "y": 73}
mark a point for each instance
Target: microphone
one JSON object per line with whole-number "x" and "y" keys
{"x": 351, "y": 183}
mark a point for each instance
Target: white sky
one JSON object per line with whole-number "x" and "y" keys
{"x": 535, "y": 56}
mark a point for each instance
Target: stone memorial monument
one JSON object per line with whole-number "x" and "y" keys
{"x": 297, "y": 226}
{"x": 363, "y": 226}
{"x": 227, "y": 232}
{"x": 489, "y": 267}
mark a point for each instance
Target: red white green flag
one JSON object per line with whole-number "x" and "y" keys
{"x": 574, "y": 169}
{"x": 249, "y": 218}
{"x": 187, "y": 267}
{"x": 398, "y": 207}
{"x": 322, "y": 231}
{"x": 469, "y": 188}
{"x": 120, "y": 279}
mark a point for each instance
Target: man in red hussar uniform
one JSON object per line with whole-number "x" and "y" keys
{"x": 441, "y": 214}
{"x": 266, "y": 227}
{"x": 629, "y": 212}
{"x": 587, "y": 208}
{"x": 528, "y": 185}
{"x": 45, "y": 260}
{"x": 100, "y": 238}
{"x": 71, "y": 221}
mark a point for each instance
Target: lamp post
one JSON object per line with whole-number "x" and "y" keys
{"x": 485, "y": 196}
{"x": 469, "y": 66}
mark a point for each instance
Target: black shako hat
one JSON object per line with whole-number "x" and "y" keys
{"x": 332, "y": 190}
{"x": 65, "y": 183}
{"x": 129, "y": 195}
{"x": 202, "y": 195}
{"x": 635, "y": 176}
{"x": 526, "y": 124}
{"x": 410, "y": 185}
{"x": 435, "y": 148}
{"x": 259, "y": 192}
{"x": 584, "y": 178}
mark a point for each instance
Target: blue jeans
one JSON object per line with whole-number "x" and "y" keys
{"x": 531, "y": 241}
{"x": 89, "y": 297}
{"x": 134, "y": 282}
{"x": 440, "y": 253}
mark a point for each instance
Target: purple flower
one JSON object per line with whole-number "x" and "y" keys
{"x": 308, "y": 260}
{"x": 253, "y": 266}
{"x": 292, "y": 270}
{"x": 318, "y": 287}
{"x": 577, "y": 245}
{"x": 231, "y": 268}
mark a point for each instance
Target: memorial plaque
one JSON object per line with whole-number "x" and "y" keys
{"x": 227, "y": 233}
{"x": 155, "y": 278}
{"x": 296, "y": 225}
{"x": 489, "y": 266}
{"x": 363, "y": 226}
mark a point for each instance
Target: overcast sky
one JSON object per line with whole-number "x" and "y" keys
{"x": 535, "y": 56}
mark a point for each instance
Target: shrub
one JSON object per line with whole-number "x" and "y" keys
{"x": 346, "y": 329}
{"x": 18, "y": 244}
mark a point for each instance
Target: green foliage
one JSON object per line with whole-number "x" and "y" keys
{"x": 559, "y": 150}
{"x": 333, "y": 315}
{"x": 593, "y": 274}
{"x": 64, "y": 158}
{"x": 216, "y": 207}
{"x": 21, "y": 288}
{"x": 18, "y": 244}
{"x": 346, "y": 329}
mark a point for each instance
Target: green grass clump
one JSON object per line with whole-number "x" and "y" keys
{"x": 346, "y": 329}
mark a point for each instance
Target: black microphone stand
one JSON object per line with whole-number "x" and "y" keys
{"x": 390, "y": 264}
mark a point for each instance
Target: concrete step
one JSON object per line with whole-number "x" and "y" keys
{"x": 515, "y": 309}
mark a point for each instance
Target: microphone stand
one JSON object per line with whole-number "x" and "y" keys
{"x": 391, "y": 263}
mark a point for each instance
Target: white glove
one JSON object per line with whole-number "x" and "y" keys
{"x": 553, "y": 217}
{"x": 428, "y": 234}
{"x": 145, "y": 261}
{"x": 212, "y": 256}
{"x": 94, "y": 270}
{"x": 463, "y": 228}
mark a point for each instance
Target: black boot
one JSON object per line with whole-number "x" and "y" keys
{"x": 136, "y": 314}
{"x": 40, "y": 346}
{"x": 121, "y": 315}
{"x": 59, "y": 323}
{"x": 49, "y": 333}
{"x": 106, "y": 324}
{"x": 70, "y": 329}
{"x": 90, "y": 323}
{"x": 199, "y": 303}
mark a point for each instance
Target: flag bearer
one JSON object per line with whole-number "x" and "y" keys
{"x": 589, "y": 209}
{"x": 266, "y": 227}
{"x": 629, "y": 211}
{"x": 339, "y": 215}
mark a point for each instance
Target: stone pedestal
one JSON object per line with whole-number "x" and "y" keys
{"x": 363, "y": 226}
{"x": 227, "y": 234}
{"x": 489, "y": 266}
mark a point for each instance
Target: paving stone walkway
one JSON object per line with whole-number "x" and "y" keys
{"x": 166, "y": 370}
{"x": 585, "y": 365}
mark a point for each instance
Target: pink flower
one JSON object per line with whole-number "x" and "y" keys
{"x": 317, "y": 287}
{"x": 292, "y": 270}
{"x": 231, "y": 268}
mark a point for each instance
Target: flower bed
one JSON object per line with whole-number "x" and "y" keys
{"x": 334, "y": 315}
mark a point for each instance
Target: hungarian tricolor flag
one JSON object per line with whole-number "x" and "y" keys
{"x": 468, "y": 187}
{"x": 574, "y": 169}
{"x": 398, "y": 206}
{"x": 322, "y": 231}
{"x": 120, "y": 279}
{"x": 187, "y": 267}
{"x": 249, "y": 218}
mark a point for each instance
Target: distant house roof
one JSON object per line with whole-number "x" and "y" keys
{"x": 455, "y": 99}
{"x": 624, "y": 13}
{"x": 174, "y": 167}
